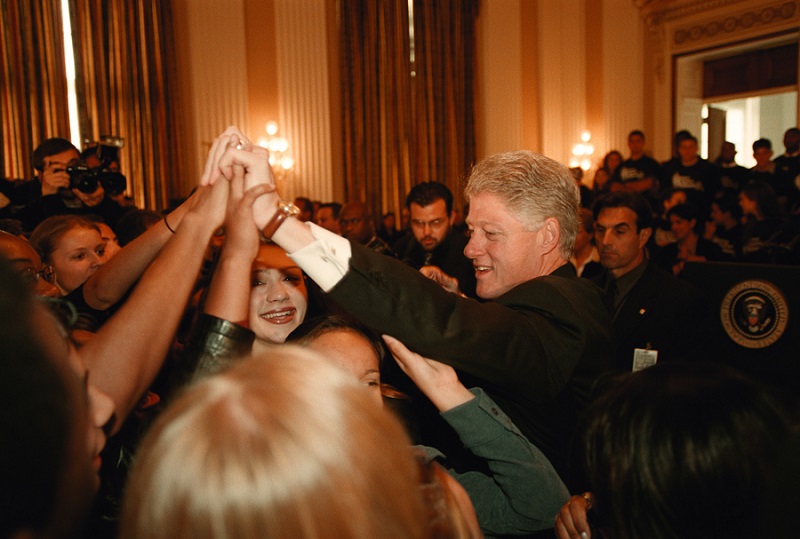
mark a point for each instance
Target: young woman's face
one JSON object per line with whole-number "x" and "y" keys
{"x": 613, "y": 161}
{"x": 79, "y": 253}
{"x": 748, "y": 205}
{"x": 681, "y": 227}
{"x": 112, "y": 245}
{"x": 278, "y": 297}
{"x": 354, "y": 353}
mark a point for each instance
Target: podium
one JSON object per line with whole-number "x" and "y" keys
{"x": 755, "y": 318}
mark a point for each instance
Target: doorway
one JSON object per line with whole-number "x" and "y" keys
{"x": 745, "y": 120}
{"x": 728, "y": 93}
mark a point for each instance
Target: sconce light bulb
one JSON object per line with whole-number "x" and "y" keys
{"x": 272, "y": 128}
{"x": 586, "y": 136}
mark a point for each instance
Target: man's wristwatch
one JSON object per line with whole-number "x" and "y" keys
{"x": 285, "y": 210}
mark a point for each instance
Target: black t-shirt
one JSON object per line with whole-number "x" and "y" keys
{"x": 638, "y": 169}
{"x": 701, "y": 176}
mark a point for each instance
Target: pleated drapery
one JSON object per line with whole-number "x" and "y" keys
{"x": 443, "y": 141}
{"x": 124, "y": 64}
{"x": 404, "y": 122}
{"x": 34, "y": 82}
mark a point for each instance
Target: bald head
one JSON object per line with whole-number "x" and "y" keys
{"x": 356, "y": 222}
{"x": 24, "y": 259}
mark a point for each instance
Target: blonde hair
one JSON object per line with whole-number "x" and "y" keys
{"x": 279, "y": 446}
{"x": 534, "y": 187}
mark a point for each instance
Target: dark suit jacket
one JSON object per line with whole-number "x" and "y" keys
{"x": 448, "y": 256}
{"x": 537, "y": 350}
{"x": 663, "y": 313}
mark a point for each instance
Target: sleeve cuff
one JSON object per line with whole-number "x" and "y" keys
{"x": 216, "y": 336}
{"x": 326, "y": 260}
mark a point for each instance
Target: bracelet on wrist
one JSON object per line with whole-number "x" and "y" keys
{"x": 167, "y": 225}
{"x": 285, "y": 211}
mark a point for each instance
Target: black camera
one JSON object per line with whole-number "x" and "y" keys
{"x": 104, "y": 152}
{"x": 82, "y": 177}
{"x": 86, "y": 179}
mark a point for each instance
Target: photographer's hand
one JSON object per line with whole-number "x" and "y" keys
{"x": 53, "y": 178}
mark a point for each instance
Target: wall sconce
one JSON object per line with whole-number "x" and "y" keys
{"x": 282, "y": 163}
{"x": 582, "y": 152}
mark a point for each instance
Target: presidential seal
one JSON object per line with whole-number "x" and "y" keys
{"x": 754, "y": 313}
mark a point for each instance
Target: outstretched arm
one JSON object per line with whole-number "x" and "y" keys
{"x": 114, "y": 278}
{"x": 524, "y": 492}
{"x": 229, "y": 293}
{"x": 126, "y": 354}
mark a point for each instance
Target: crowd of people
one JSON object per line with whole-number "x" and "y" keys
{"x": 249, "y": 366}
{"x": 726, "y": 212}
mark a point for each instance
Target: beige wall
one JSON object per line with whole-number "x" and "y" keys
{"x": 547, "y": 71}
{"x": 211, "y": 76}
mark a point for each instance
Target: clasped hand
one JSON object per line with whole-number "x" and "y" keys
{"x": 232, "y": 148}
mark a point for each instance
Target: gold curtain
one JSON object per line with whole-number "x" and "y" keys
{"x": 34, "y": 82}
{"x": 402, "y": 128}
{"x": 376, "y": 99}
{"x": 124, "y": 56}
{"x": 444, "y": 113}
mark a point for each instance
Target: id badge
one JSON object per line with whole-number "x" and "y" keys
{"x": 644, "y": 358}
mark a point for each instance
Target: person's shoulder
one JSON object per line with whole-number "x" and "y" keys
{"x": 593, "y": 270}
{"x": 666, "y": 284}
{"x": 705, "y": 164}
{"x": 646, "y": 159}
{"x": 562, "y": 284}
{"x": 709, "y": 246}
{"x": 379, "y": 246}
{"x": 787, "y": 158}
{"x": 404, "y": 243}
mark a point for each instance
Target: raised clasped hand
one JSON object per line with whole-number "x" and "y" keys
{"x": 234, "y": 148}
{"x": 241, "y": 234}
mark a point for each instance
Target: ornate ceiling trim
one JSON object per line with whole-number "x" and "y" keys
{"x": 677, "y": 26}
{"x": 748, "y": 21}
{"x": 659, "y": 11}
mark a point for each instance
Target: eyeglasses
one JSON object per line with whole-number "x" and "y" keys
{"x": 435, "y": 224}
{"x": 48, "y": 273}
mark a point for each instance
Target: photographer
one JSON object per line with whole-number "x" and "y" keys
{"x": 103, "y": 158}
{"x": 63, "y": 185}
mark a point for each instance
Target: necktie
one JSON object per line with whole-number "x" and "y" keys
{"x": 611, "y": 295}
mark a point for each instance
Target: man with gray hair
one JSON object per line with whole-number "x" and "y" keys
{"x": 537, "y": 347}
